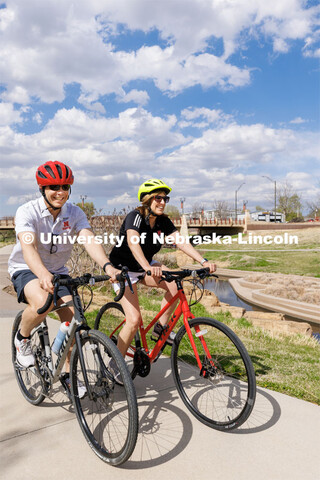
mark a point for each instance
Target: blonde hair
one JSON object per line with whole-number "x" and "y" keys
{"x": 146, "y": 202}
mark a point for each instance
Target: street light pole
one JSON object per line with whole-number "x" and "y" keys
{"x": 83, "y": 197}
{"x": 275, "y": 196}
{"x": 182, "y": 200}
{"x": 236, "y": 201}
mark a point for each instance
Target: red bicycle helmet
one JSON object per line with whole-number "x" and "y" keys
{"x": 54, "y": 173}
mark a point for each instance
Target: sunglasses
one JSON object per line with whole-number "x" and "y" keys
{"x": 56, "y": 188}
{"x": 53, "y": 246}
{"x": 159, "y": 198}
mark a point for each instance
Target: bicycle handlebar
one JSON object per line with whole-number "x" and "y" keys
{"x": 171, "y": 276}
{"x": 85, "y": 279}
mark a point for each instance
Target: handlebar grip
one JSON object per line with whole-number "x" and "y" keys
{"x": 101, "y": 278}
{"x": 46, "y": 305}
{"x": 121, "y": 292}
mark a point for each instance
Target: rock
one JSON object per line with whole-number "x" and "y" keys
{"x": 285, "y": 327}
{"x": 182, "y": 259}
{"x": 210, "y": 301}
{"x": 264, "y": 316}
{"x": 276, "y": 323}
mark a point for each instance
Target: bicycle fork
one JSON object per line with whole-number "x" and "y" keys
{"x": 199, "y": 334}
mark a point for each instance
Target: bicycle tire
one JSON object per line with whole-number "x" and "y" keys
{"x": 222, "y": 395}
{"x": 30, "y": 381}
{"x": 108, "y": 420}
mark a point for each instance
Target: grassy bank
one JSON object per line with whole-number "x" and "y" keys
{"x": 302, "y": 257}
{"x": 286, "y": 364}
{"x": 291, "y": 263}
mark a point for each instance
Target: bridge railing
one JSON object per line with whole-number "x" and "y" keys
{"x": 207, "y": 222}
{"x": 7, "y": 221}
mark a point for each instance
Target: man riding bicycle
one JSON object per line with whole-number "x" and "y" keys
{"x": 32, "y": 263}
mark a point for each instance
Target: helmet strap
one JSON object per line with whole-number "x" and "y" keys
{"x": 42, "y": 190}
{"x": 151, "y": 212}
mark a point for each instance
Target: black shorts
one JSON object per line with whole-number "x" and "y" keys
{"x": 22, "y": 277}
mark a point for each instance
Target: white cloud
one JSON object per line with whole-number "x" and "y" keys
{"x": 20, "y": 199}
{"x": 298, "y": 120}
{"x": 123, "y": 199}
{"x": 280, "y": 45}
{"x": 75, "y": 45}
{"x": 140, "y": 97}
{"x": 8, "y": 115}
{"x": 110, "y": 156}
{"x": 38, "y": 118}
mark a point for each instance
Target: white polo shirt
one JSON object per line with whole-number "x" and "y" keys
{"x": 34, "y": 216}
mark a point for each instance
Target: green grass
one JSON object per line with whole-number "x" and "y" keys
{"x": 288, "y": 262}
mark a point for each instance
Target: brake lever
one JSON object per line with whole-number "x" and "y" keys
{"x": 55, "y": 291}
{"x": 129, "y": 282}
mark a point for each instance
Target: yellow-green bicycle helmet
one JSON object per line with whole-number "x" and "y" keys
{"x": 152, "y": 185}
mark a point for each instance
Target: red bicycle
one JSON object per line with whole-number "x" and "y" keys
{"x": 212, "y": 369}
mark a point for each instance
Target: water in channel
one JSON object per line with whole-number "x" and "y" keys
{"x": 225, "y": 293}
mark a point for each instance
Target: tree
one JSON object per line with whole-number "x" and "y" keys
{"x": 172, "y": 211}
{"x": 260, "y": 209}
{"x": 314, "y": 207}
{"x": 88, "y": 208}
{"x": 197, "y": 209}
{"x": 289, "y": 202}
{"x": 221, "y": 209}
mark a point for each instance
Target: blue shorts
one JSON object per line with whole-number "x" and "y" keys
{"x": 22, "y": 277}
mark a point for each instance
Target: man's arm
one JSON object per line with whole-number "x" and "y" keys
{"x": 33, "y": 260}
{"x": 97, "y": 253}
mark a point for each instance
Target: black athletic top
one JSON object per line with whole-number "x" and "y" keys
{"x": 122, "y": 256}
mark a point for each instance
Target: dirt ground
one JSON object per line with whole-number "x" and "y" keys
{"x": 306, "y": 236}
{"x": 293, "y": 287}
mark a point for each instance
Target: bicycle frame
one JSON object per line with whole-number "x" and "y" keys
{"x": 181, "y": 309}
{"x": 78, "y": 322}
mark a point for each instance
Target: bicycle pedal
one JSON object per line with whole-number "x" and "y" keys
{"x": 66, "y": 388}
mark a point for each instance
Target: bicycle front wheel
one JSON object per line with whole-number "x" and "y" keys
{"x": 30, "y": 380}
{"x": 108, "y": 412}
{"x": 219, "y": 386}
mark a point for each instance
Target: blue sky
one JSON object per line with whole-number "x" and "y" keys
{"x": 205, "y": 95}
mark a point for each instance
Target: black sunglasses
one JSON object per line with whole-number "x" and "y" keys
{"x": 56, "y": 188}
{"x": 159, "y": 198}
{"x": 53, "y": 246}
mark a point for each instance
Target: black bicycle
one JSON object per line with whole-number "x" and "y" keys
{"x": 107, "y": 413}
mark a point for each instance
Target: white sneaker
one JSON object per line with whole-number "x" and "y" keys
{"x": 25, "y": 356}
{"x": 114, "y": 370}
{"x": 81, "y": 387}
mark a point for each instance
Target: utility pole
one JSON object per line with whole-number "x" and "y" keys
{"x": 236, "y": 201}
{"x": 275, "y": 196}
{"x": 82, "y": 198}
{"x": 182, "y": 200}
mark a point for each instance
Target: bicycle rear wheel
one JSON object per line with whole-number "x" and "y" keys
{"x": 221, "y": 394}
{"x": 108, "y": 413}
{"x": 29, "y": 379}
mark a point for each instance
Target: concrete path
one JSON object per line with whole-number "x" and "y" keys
{"x": 279, "y": 441}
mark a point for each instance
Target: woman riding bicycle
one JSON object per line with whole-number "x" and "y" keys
{"x": 137, "y": 251}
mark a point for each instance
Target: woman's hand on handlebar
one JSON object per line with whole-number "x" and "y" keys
{"x": 212, "y": 266}
{"x": 155, "y": 270}
{"x": 112, "y": 273}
